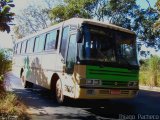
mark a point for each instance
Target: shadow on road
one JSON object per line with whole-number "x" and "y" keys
{"x": 146, "y": 103}
{"x": 37, "y": 99}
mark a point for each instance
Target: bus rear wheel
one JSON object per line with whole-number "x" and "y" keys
{"x": 59, "y": 92}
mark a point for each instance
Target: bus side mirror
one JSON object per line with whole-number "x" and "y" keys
{"x": 79, "y": 36}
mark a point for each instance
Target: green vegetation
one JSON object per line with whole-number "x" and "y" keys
{"x": 124, "y": 13}
{"x": 157, "y": 24}
{"x": 5, "y": 15}
{"x": 10, "y": 105}
{"x": 150, "y": 72}
{"x": 5, "y": 65}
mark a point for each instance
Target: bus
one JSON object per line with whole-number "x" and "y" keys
{"x": 80, "y": 59}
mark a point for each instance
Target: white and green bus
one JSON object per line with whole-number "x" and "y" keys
{"x": 81, "y": 59}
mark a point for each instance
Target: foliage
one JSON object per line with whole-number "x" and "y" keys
{"x": 124, "y": 13}
{"x": 157, "y": 24}
{"x": 72, "y": 8}
{"x": 11, "y": 106}
{"x": 5, "y": 65}
{"x": 150, "y": 72}
{"x": 33, "y": 18}
{"x": 5, "y": 15}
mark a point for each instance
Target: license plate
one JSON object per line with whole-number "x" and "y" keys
{"x": 115, "y": 92}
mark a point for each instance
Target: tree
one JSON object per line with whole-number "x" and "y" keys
{"x": 72, "y": 8}
{"x": 124, "y": 13}
{"x": 32, "y": 19}
{"x": 127, "y": 14}
{"x": 5, "y": 15}
{"x": 157, "y": 24}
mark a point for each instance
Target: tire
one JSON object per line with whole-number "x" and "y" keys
{"x": 28, "y": 84}
{"x": 59, "y": 92}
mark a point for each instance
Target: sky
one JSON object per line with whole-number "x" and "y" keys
{"x": 6, "y": 39}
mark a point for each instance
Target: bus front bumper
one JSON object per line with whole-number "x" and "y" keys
{"x": 105, "y": 93}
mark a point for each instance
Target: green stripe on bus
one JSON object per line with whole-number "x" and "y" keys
{"x": 111, "y": 74}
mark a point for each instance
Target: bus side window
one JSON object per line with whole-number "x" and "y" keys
{"x": 23, "y": 47}
{"x": 64, "y": 41}
{"x": 39, "y": 43}
{"x": 52, "y": 40}
{"x": 30, "y": 45}
{"x": 71, "y": 56}
{"x": 36, "y": 44}
{"x": 19, "y": 48}
{"x": 15, "y": 49}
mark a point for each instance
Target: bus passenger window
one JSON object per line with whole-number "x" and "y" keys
{"x": 36, "y": 46}
{"x": 71, "y": 56}
{"x": 19, "y": 48}
{"x": 39, "y": 43}
{"x": 30, "y": 45}
{"x": 23, "y": 47}
{"x": 51, "y": 40}
{"x": 15, "y": 49}
{"x": 64, "y": 41}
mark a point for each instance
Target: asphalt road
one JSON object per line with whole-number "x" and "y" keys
{"x": 42, "y": 107}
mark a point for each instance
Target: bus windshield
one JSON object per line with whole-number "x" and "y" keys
{"x": 107, "y": 46}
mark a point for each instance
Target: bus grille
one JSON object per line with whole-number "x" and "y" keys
{"x": 125, "y": 92}
{"x": 104, "y": 91}
{"x": 115, "y": 83}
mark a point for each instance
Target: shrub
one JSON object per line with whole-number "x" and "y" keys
{"x": 5, "y": 65}
{"x": 150, "y": 72}
{"x": 12, "y": 106}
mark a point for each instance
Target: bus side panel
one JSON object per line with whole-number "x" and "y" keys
{"x": 51, "y": 63}
{"x": 18, "y": 64}
{"x": 35, "y": 72}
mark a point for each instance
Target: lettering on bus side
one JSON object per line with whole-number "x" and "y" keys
{"x": 69, "y": 88}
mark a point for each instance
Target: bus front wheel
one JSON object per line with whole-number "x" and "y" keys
{"x": 59, "y": 92}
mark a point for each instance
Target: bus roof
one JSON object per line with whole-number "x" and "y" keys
{"x": 79, "y": 21}
{"x": 100, "y": 23}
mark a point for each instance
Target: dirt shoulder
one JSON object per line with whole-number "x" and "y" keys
{"x": 149, "y": 88}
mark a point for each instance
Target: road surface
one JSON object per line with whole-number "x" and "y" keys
{"x": 42, "y": 107}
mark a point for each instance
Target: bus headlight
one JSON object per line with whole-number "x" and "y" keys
{"x": 93, "y": 82}
{"x": 89, "y": 82}
{"x": 135, "y": 83}
{"x": 97, "y": 82}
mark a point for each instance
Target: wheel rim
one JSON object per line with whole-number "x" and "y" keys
{"x": 22, "y": 79}
{"x": 59, "y": 94}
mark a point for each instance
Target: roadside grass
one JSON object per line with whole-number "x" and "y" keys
{"x": 150, "y": 72}
{"x": 11, "y": 105}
